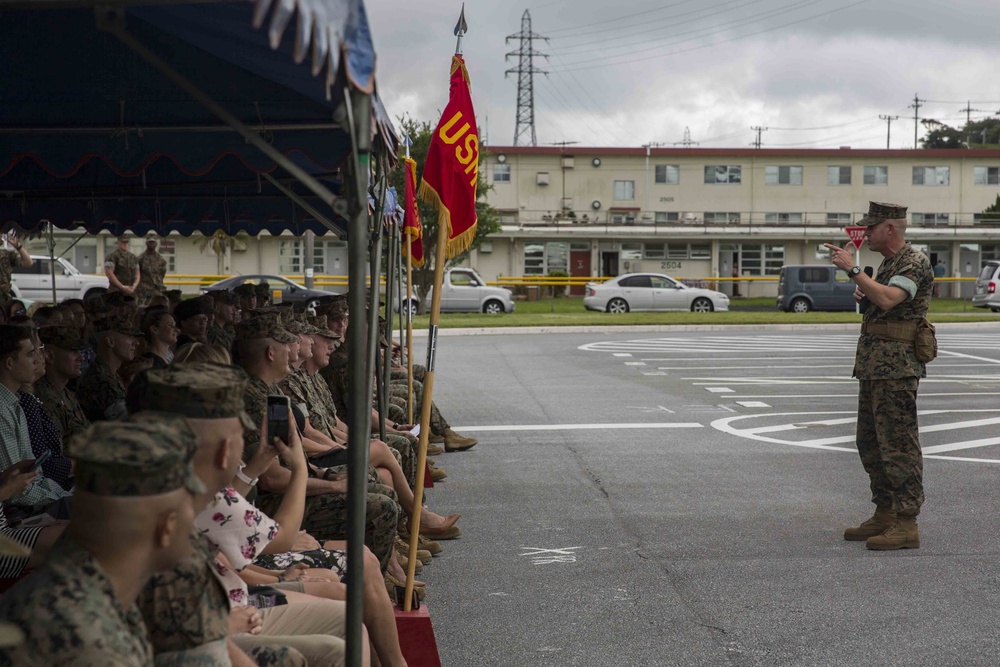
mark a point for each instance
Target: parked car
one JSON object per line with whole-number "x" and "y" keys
{"x": 651, "y": 291}
{"x": 290, "y": 291}
{"x": 464, "y": 291}
{"x": 802, "y": 288}
{"x": 988, "y": 287}
{"x": 35, "y": 282}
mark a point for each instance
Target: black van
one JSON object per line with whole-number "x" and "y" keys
{"x": 802, "y": 288}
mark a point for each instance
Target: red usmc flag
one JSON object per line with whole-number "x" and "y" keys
{"x": 411, "y": 217}
{"x": 452, "y": 166}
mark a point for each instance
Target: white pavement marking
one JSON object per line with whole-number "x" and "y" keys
{"x": 623, "y": 354}
{"x": 969, "y": 356}
{"x": 720, "y": 390}
{"x": 968, "y": 444}
{"x": 919, "y": 396}
{"x": 635, "y": 363}
{"x": 577, "y": 427}
{"x": 753, "y": 404}
{"x": 653, "y": 373}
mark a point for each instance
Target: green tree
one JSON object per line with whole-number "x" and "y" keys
{"x": 488, "y": 219}
{"x": 974, "y": 134}
{"x": 940, "y": 135}
{"x": 991, "y": 214}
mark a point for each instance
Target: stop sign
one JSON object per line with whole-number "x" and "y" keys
{"x": 857, "y": 235}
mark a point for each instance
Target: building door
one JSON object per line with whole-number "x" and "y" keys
{"x": 85, "y": 259}
{"x": 579, "y": 266}
{"x": 609, "y": 264}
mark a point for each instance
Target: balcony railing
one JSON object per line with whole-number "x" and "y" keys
{"x": 528, "y": 220}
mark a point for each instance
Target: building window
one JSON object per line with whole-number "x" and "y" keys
{"x": 624, "y": 190}
{"x": 723, "y": 173}
{"x": 876, "y": 175}
{"x": 838, "y": 175}
{"x": 543, "y": 258}
{"x": 508, "y": 217}
{"x": 290, "y": 255}
{"x": 783, "y": 218}
{"x": 678, "y": 251}
{"x": 722, "y": 218}
{"x": 838, "y": 218}
{"x": 782, "y": 175}
{"x": 622, "y": 217}
{"x": 669, "y": 174}
{"x": 501, "y": 173}
{"x": 661, "y": 217}
{"x": 931, "y": 175}
{"x": 930, "y": 218}
{"x": 987, "y": 175}
{"x": 654, "y": 251}
{"x": 701, "y": 250}
{"x": 631, "y": 251}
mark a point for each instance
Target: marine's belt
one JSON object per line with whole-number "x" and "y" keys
{"x": 901, "y": 330}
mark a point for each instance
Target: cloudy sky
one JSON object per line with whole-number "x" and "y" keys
{"x": 818, "y": 73}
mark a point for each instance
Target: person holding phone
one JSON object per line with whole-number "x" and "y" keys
{"x": 18, "y": 365}
{"x": 18, "y": 256}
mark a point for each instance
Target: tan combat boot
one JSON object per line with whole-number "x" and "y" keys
{"x": 434, "y": 450}
{"x": 883, "y": 519}
{"x": 453, "y": 442}
{"x": 904, "y": 535}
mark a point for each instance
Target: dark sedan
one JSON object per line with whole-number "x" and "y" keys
{"x": 290, "y": 291}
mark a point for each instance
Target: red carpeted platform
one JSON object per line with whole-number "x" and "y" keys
{"x": 416, "y": 637}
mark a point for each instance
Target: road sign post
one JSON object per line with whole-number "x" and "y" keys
{"x": 857, "y": 236}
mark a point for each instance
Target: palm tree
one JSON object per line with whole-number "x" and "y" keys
{"x": 221, "y": 246}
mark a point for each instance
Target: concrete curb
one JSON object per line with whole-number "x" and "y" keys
{"x": 668, "y": 328}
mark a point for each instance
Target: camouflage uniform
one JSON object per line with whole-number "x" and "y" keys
{"x": 8, "y": 260}
{"x": 68, "y": 609}
{"x": 102, "y": 393}
{"x": 277, "y": 656}
{"x": 124, "y": 265}
{"x": 152, "y": 270}
{"x": 63, "y": 408}
{"x": 222, "y": 336}
{"x": 889, "y": 372}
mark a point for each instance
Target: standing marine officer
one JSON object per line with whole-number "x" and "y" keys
{"x": 889, "y": 371}
{"x": 122, "y": 268}
{"x": 132, "y": 516}
{"x": 152, "y": 271}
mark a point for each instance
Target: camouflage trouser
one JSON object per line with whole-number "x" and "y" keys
{"x": 277, "y": 656}
{"x": 889, "y": 443}
{"x": 438, "y": 423}
{"x": 325, "y": 518}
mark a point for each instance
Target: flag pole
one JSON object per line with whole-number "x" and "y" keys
{"x": 425, "y": 408}
{"x": 409, "y": 317}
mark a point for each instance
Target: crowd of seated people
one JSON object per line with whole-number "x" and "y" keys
{"x": 136, "y": 469}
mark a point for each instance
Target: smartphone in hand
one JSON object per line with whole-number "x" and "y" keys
{"x": 278, "y": 414}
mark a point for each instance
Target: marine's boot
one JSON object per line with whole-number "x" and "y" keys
{"x": 453, "y": 442}
{"x": 904, "y": 535}
{"x": 883, "y": 519}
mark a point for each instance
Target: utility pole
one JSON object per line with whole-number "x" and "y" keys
{"x": 968, "y": 111}
{"x": 917, "y": 103}
{"x": 525, "y": 70}
{"x": 888, "y": 127}
{"x": 758, "y": 129}
{"x": 686, "y": 142}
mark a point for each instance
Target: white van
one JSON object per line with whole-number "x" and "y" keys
{"x": 988, "y": 287}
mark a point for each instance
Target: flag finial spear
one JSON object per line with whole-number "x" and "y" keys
{"x": 460, "y": 29}
{"x": 407, "y": 142}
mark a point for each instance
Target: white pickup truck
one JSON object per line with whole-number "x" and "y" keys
{"x": 464, "y": 291}
{"x": 35, "y": 282}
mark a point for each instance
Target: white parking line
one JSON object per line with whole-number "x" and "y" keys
{"x": 753, "y": 404}
{"x": 623, "y": 354}
{"x": 577, "y": 427}
{"x": 968, "y": 444}
{"x": 635, "y": 363}
{"x": 720, "y": 390}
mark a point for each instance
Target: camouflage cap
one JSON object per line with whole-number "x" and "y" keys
{"x": 262, "y": 289}
{"x": 201, "y": 305}
{"x": 122, "y": 321}
{"x": 147, "y": 455}
{"x": 263, "y": 327}
{"x": 198, "y": 391}
{"x": 293, "y": 326}
{"x": 225, "y": 297}
{"x": 246, "y": 289}
{"x": 880, "y": 212}
{"x": 68, "y": 338}
{"x": 123, "y": 237}
{"x": 319, "y": 323}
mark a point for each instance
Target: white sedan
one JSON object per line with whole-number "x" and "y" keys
{"x": 651, "y": 291}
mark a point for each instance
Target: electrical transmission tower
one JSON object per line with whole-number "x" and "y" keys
{"x": 686, "y": 142}
{"x": 525, "y": 70}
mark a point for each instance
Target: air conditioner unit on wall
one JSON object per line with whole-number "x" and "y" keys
{"x": 567, "y": 203}
{"x": 542, "y": 178}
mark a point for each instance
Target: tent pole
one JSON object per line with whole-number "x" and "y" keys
{"x": 52, "y": 265}
{"x": 390, "y": 270}
{"x": 357, "y": 109}
{"x": 113, "y": 21}
{"x": 375, "y": 272}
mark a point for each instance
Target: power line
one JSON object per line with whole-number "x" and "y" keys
{"x": 621, "y": 18}
{"x": 715, "y": 44}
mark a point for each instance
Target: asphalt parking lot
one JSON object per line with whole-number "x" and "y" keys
{"x": 678, "y": 499}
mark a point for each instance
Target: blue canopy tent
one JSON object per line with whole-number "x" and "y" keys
{"x": 169, "y": 116}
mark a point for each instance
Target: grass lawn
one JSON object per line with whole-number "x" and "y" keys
{"x": 570, "y": 312}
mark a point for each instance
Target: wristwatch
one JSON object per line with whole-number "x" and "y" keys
{"x": 855, "y": 270}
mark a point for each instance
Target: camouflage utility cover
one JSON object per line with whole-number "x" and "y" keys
{"x": 880, "y": 212}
